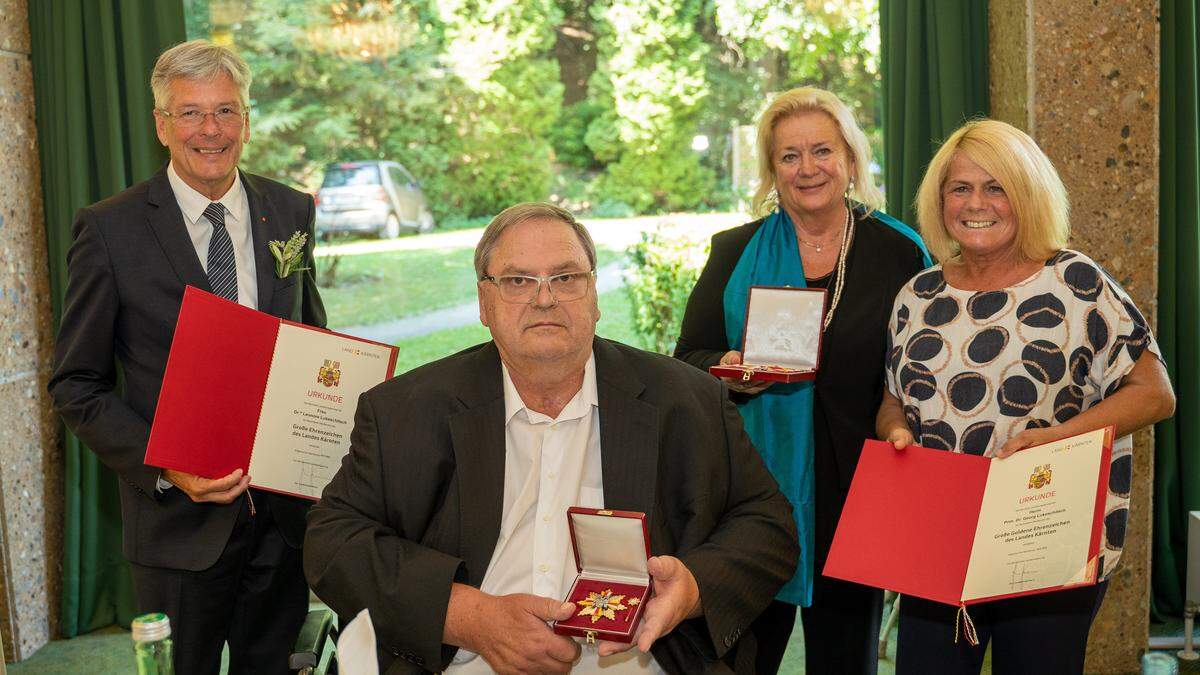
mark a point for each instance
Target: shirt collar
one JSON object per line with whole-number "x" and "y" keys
{"x": 192, "y": 203}
{"x": 579, "y": 405}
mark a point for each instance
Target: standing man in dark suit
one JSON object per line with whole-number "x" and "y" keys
{"x": 447, "y": 519}
{"x": 221, "y": 560}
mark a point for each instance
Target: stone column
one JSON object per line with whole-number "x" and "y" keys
{"x": 1083, "y": 79}
{"x": 30, "y": 459}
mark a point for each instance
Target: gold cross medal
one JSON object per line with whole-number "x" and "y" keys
{"x": 602, "y": 604}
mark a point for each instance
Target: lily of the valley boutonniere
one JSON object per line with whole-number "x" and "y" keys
{"x": 289, "y": 256}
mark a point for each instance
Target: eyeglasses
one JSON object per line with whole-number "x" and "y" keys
{"x": 523, "y": 289}
{"x": 226, "y": 116}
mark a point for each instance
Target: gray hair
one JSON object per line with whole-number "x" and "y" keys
{"x": 520, "y": 213}
{"x": 198, "y": 60}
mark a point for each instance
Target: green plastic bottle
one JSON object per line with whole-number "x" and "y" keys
{"x": 152, "y": 644}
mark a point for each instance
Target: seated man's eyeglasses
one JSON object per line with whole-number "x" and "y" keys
{"x": 523, "y": 289}
{"x": 226, "y": 116}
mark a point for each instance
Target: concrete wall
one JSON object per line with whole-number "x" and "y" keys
{"x": 1083, "y": 79}
{"x": 30, "y": 460}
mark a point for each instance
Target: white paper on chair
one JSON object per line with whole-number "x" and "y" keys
{"x": 356, "y": 647}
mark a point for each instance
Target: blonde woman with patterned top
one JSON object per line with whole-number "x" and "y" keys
{"x": 1012, "y": 341}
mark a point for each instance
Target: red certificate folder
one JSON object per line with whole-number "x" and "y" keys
{"x": 211, "y": 402}
{"x": 930, "y": 523}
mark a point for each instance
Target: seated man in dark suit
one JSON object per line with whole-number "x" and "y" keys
{"x": 447, "y": 519}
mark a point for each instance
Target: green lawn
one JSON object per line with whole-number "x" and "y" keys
{"x": 378, "y": 287}
{"x": 616, "y": 322}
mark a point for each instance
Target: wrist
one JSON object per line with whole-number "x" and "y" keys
{"x": 697, "y": 610}
{"x": 693, "y": 606}
{"x": 1050, "y": 434}
{"x": 461, "y": 611}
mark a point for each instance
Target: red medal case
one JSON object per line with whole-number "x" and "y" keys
{"x": 782, "y": 340}
{"x": 611, "y": 549}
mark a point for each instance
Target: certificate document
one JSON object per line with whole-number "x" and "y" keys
{"x": 1038, "y": 522}
{"x": 248, "y": 390}
{"x": 962, "y": 529}
{"x": 308, "y": 407}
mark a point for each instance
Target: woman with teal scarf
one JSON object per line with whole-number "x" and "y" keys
{"x": 821, "y": 227}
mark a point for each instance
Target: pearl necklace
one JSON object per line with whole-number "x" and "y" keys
{"x": 840, "y": 271}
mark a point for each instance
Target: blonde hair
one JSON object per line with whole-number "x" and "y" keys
{"x": 1035, "y": 191}
{"x": 519, "y": 213}
{"x": 198, "y": 60}
{"x": 802, "y": 100}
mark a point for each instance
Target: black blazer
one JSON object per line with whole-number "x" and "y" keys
{"x": 849, "y": 384}
{"x": 126, "y": 272}
{"x": 417, "y": 504}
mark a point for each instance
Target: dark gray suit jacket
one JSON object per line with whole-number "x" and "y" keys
{"x": 126, "y": 272}
{"x": 418, "y": 501}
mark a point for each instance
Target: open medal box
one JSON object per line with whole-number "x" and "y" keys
{"x": 613, "y": 583}
{"x": 782, "y": 340}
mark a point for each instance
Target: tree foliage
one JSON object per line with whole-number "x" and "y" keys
{"x": 651, "y": 85}
{"x": 664, "y": 266}
{"x": 469, "y": 94}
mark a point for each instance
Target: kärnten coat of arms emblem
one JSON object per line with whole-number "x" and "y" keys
{"x": 1040, "y": 477}
{"x": 330, "y": 374}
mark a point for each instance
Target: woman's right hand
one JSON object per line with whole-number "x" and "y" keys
{"x": 734, "y": 358}
{"x": 900, "y": 438}
{"x": 890, "y": 423}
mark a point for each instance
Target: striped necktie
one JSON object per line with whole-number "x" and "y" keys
{"x": 222, "y": 268}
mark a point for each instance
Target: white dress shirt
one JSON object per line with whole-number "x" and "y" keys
{"x": 237, "y": 222}
{"x": 549, "y": 465}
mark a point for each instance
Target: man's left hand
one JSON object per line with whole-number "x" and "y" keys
{"x": 676, "y": 597}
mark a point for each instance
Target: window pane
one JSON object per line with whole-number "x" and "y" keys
{"x": 350, "y": 174}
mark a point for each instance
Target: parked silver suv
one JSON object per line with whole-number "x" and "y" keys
{"x": 371, "y": 196}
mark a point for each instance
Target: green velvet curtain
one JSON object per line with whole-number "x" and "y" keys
{"x": 935, "y": 77}
{"x": 1177, "y": 440}
{"x": 91, "y": 69}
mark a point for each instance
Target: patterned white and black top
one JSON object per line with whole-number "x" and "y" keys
{"x": 975, "y": 368}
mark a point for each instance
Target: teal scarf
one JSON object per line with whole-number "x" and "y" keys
{"x": 779, "y": 421}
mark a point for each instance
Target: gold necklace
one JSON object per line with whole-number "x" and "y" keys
{"x": 821, "y": 246}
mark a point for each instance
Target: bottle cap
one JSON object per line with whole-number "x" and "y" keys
{"x": 150, "y": 627}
